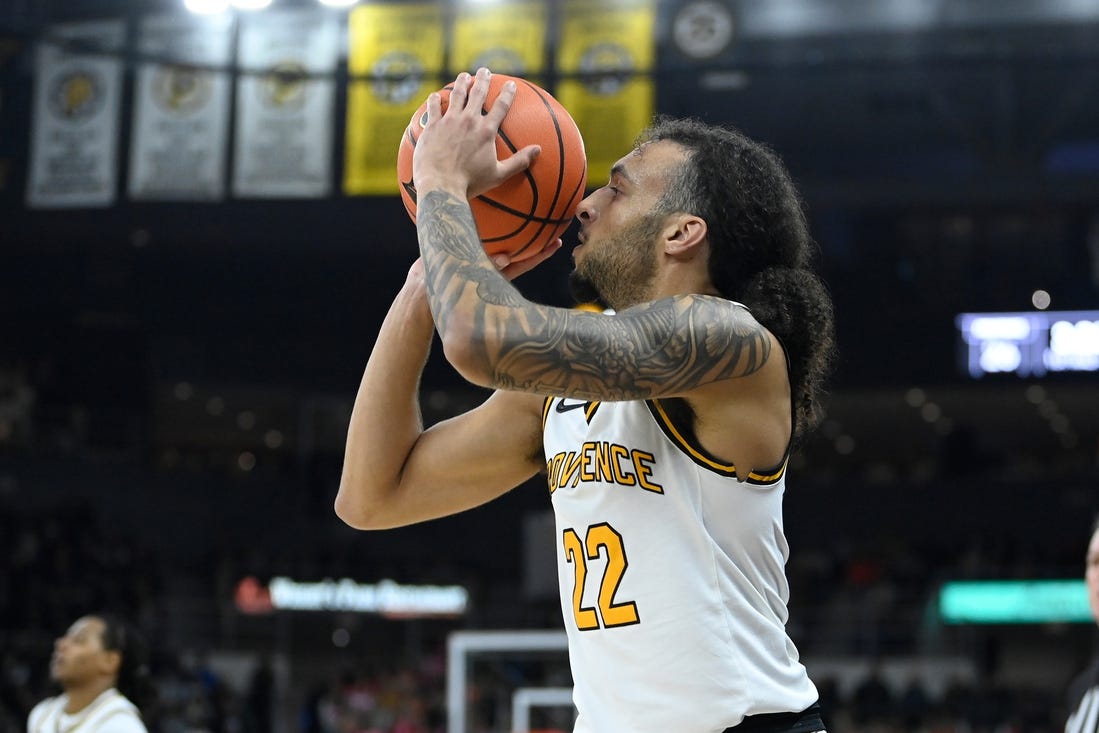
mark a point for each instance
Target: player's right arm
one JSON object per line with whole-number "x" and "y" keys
{"x": 396, "y": 473}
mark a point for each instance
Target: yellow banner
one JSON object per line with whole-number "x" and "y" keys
{"x": 606, "y": 57}
{"x": 395, "y": 58}
{"x": 509, "y": 38}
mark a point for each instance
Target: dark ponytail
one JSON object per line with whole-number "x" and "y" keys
{"x": 793, "y": 304}
{"x": 133, "y": 669}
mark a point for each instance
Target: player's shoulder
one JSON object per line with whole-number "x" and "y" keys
{"x": 1082, "y": 684}
{"x": 120, "y": 716}
{"x": 41, "y": 711}
{"x": 715, "y": 311}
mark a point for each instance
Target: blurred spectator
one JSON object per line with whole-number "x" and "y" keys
{"x": 101, "y": 666}
{"x": 17, "y": 398}
{"x": 872, "y": 700}
{"x": 914, "y": 705}
{"x": 1083, "y": 695}
{"x": 261, "y": 697}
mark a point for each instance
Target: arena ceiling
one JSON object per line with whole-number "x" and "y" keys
{"x": 867, "y": 99}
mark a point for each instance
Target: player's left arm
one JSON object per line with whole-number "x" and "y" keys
{"x": 497, "y": 338}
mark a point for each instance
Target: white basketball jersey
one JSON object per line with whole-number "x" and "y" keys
{"x": 672, "y": 575}
{"x": 111, "y": 712}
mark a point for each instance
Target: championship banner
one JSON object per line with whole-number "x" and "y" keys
{"x": 181, "y": 109}
{"x": 508, "y": 38}
{"x": 285, "y": 97}
{"x": 606, "y": 58}
{"x": 395, "y": 57}
{"x": 77, "y": 90}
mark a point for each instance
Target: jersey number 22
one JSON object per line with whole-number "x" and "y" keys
{"x": 597, "y": 539}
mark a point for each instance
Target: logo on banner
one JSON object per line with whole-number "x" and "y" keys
{"x": 501, "y": 61}
{"x": 284, "y": 86}
{"x": 180, "y": 90}
{"x": 606, "y": 67}
{"x": 77, "y": 95}
{"x": 703, "y": 29}
{"x": 398, "y": 77}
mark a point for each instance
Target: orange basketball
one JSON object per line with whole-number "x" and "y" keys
{"x": 534, "y": 207}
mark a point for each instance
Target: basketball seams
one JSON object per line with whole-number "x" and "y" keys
{"x": 532, "y": 217}
{"x": 545, "y": 217}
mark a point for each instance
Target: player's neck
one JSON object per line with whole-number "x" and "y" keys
{"x": 681, "y": 281}
{"x": 81, "y": 696}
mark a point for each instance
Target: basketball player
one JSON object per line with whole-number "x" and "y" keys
{"x": 1083, "y": 694}
{"x": 664, "y": 430}
{"x": 98, "y": 663}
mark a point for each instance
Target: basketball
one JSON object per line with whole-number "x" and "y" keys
{"x": 534, "y": 207}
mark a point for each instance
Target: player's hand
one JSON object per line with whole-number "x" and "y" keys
{"x": 456, "y": 151}
{"x": 512, "y": 270}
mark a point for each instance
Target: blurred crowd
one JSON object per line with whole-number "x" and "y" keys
{"x": 82, "y": 534}
{"x": 49, "y": 581}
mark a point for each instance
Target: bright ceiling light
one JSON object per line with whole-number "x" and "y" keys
{"x": 338, "y": 3}
{"x": 206, "y": 7}
{"x": 250, "y": 4}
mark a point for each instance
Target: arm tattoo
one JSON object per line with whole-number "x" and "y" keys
{"x": 665, "y": 347}
{"x": 454, "y": 258}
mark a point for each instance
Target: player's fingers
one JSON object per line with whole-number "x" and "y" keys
{"x": 548, "y": 250}
{"x": 516, "y": 269}
{"x": 459, "y": 90}
{"x": 522, "y": 160}
{"x": 434, "y": 108}
{"x": 478, "y": 92}
{"x": 502, "y": 104}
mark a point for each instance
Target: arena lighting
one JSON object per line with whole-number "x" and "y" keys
{"x": 1014, "y": 602}
{"x": 338, "y": 3}
{"x": 206, "y": 7}
{"x": 249, "y": 4}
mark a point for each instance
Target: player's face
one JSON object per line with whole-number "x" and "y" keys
{"x": 1091, "y": 575}
{"x": 79, "y": 655}
{"x": 619, "y": 251}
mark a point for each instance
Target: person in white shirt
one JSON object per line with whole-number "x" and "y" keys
{"x": 1083, "y": 693}
{"x": 100, "y": 665}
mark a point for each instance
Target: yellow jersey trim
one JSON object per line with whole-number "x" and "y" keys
{"x": 701, "y": 457}
{"x": 545, "y": 411}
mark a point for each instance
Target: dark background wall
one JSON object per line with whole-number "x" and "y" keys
{"x": 190, "y": 368}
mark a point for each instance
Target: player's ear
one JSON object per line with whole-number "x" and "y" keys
{"x": 111, "y": 661}
{"x": 683, "y": 233}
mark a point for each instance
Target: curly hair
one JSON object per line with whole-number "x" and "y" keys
{"x": 760, "y": 246}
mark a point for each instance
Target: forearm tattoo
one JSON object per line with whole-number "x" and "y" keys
{"x": 667, "y": 346}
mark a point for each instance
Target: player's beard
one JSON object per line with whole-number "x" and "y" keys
{"x": 618, "y": 270}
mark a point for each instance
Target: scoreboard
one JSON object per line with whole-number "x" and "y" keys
{"x": 1028, "y": 344}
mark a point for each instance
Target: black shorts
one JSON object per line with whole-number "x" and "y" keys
{"x": 807, "y": 721}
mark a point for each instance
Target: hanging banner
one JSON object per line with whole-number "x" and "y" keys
{"x": 285, "y": 98}
{"x": 181, "y": 109}
{"x": 395, "y": 57}
{"x": 11, "y": 143}
{"x": 606, "y": 59}
{"x": 508, "y": 38}
{"x": 77, "y": 90}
